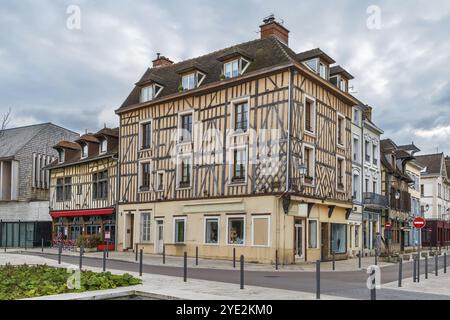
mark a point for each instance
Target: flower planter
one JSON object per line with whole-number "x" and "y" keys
{"x": 86, "y": 250}
{"x": 406, "y": 257}
{"x": 424, "y": 254}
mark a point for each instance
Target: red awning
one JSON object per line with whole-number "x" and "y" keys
{"x": 77, "y": 213}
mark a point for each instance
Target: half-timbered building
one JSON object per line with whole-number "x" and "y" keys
{"x": 83, "y": 183}
{"x": 245, "y": 148}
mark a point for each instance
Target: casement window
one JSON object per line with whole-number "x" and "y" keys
{"x": 340, "y": 127}
{"x": 211, "y": 230}
{"x": 192, "y": 80}
{"x": 367, "y": 150}
{"x": 79, "y": 190}
{"x": 374, "y": 186}
{"x": 61, "y": 156}
{"x": 309, "y": 161}
{"x": 312, "y": 64}
{"x": 356, "y": 149}
{"x": 422, "y": 190}
{"x": 356, "y": 116}
{"x": 238, "y": 164}
{"x": 144, "y": 176}
{"x": 236, "y": 230}
{"x": 103, "y": 146}
{"x": 179, "y": 230}
{"x": 67, "y": 188}
{"x": 261, "y": 231}
{"x": 340, "y": 173}
{"x": 59, "y": 189}
{"x": 240, "y": 116}
{"x": 343, "y": 85}
{"x": 334, "y": 80}
{"x": 366, "y": 185}
{"x": 185, "y": 126}
{"x": 100, "y": 185}
{"x": 323, "y": 71}
{"x": 312, "y": 234}
{"x": 84, "y": 150}
{"x": 310, "y": 114}
{"x": 356, "y": 187}
{"x": 235, "y": 67}
{"x": 374, "y": 154}
{"x": 150, "y": 92}
{"x": 184, "y": 173}
{"x": 160, "y": 175}
{"x": 145, "y": 134}
{"x": 145, "y": 227}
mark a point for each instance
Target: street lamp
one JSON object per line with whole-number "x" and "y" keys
{"x": 303, "y": 170}
{"x": 397, "y": 195}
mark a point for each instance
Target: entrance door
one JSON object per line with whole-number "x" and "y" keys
{"x": 159, "y": 236}
{"x": 129, "y": 231}
{"x": 299, "y": 240}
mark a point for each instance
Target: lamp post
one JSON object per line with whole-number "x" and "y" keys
{"x": 303, "y": 170}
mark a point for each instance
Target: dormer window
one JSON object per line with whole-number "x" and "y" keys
{"x": 312, "y": 64}
{"x": 235, "y": 67}
{"x": 84, "y": 151}
{"x": 61, "y": 156}
{"x": 150, "y": 92}
{"x": 323, "y": 71}
{"x": 103, "y": 146}
{"x": 343, "y": 85}
{"x": 192, "y": 80}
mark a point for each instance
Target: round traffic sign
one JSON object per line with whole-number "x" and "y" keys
{"x": 387, "y": 225}
{"x": 419, "y": 223}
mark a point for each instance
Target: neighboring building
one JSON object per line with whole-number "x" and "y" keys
{"x": 248, "y": 147}
{"x": 24, "y": 183}
{"x": 395, "y": 185}
{"x": 373, "y": 199}
{"x": 413, "y": 170}
{"x": 435, "y": 198}
{"x": 83, "y": 184}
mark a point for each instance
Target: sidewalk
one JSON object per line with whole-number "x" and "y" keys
{"x": 157, "y": 260}
{"x": 166, "y": 287}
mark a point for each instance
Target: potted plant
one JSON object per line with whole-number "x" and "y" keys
{"x": 89, "y": 242}
{"x": 309, "y": 179}
{"x": 222, "y": 77}
{"x": 180, "y": 88}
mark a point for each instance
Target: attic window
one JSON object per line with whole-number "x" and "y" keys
{"x": 192, "y": 80}
{"x": 150, "y": 92}
{"x": 235, "y": 67}
{"x": 103, "y": 146}
{"x": 323, "y": 71}
{"x": 84, "y": 151}
{"x": 312, "y": 64}
{"x": 343, "y": 85}
{"x": 61, "y": 155}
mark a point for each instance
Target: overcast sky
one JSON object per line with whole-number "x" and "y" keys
{"x": 77, "y": 78}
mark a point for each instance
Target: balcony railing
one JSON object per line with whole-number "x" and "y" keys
{"x": 376, "y": 200}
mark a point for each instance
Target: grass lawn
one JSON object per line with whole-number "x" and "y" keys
{"x": 19, "y": 282}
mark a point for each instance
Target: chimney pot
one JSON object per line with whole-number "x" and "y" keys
{"x": 273, "y": 28}
{"x": 161, "y": 61}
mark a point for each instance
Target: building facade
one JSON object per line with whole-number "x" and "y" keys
{"x": 83, "y": 184}
{"x": 24, "y": 182}
{"x": 246, "y": 148}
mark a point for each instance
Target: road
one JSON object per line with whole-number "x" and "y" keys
{"x": 349, "y": 284}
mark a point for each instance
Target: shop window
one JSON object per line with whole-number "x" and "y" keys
{"x": 312, "y": 238}
{"x": 338, "y": 238}
{"x": 145, "y": 227}
{"x": 236, "y": 231}
{"x": 260, "y": 231}
{"x": 212, "y": 231}
{"x": 180, "y": 230}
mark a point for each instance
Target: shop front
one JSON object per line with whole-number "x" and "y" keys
{"x": 68, "y": 226}
{"x": 370, "y": 228}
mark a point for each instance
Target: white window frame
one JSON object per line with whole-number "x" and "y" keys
{"x": 231, "y": 164}
{"x": 316, "y": 60}
{"x": 317, "y": 234}
{"x": 244, "y": 217}
{"x": 141, "y": 133}
{"x": 143, "y": 226}
{"x": 61, "y": 155}
{"x": 338, "y": 157}
{"x": 154, "y": 93}
{"x": 357, "y": 186}
{"x": 156, "y": 187}
{"x": 313, "y": 148}
{"x": 83, "y": 146}
{"x": 323, "y": 66}
{"x": 268, "y": 230}
{"x": 178, "y": 167}
{"x": 188, "y": 76}
{"x": 218, "y": 230}
{"x": 343, "y": 84}
{"x": 140, "y": 176}
{"x": 240, "y": 69}
{"x": 367, "y": 151}
{"x": 342, "y": 117}
{"x": 103, "y": 141}
{"x": 179, "y": 128}
{"x": 358, "y": 152}
{"x": 314, "y": 114}
{"x": 233, "y": 104}
{"x": 175, "y": 219}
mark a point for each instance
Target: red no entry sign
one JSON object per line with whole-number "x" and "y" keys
{"x": 419, "y": 223}
{"x": 387, "y": 225}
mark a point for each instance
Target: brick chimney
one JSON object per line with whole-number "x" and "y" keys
{"x": 273, "y": 28}
{"x": 161, "y": 61}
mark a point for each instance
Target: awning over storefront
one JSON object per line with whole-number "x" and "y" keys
{"x": 78, "y": 213}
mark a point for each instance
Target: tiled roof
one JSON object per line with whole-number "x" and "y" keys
{"x": 431, "y": 162}
{"x": 314, "y": 53}
{"x": 67, "y": 145}
{"x": 263, "y": 53}
{"x": 108, "y": 132}
{"x": 88, "y": 137}
{"x": 339, "y": 70}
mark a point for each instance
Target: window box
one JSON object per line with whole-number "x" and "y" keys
{"x": 237, "y": 180}
{"x": 309, "y": 180}
{"x": 185, "y": 185}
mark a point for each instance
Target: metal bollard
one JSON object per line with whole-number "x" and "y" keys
{"x": 234, "y": 258}
{"x": 276, "y": 259}
{"x": 359, "y": 260}
{"x": 59, "y": 252}
{"x": 164, "y": 254}
{"x": 400, "y": 272}
{"x": 242, "y": 272}
{"x": 81, "y": 257}
{"x": 415, "y": 270}
{"x": 426, "y": 267}
{"x": 376, "y": 259}
{"x": 318, "y": 279}
{"x": 445, "y": 262}
{"x": 185, "y": 267}
{"x": 196, "y": 256}
{"x": 42, "y": 244}
{"x": 334, "y": 261}
{"x": 436, "y": 265}
{"x": 136, "y": 251}
{"x": 418, "y": 269}
{"x": 373, "y": 291}
{"x": 104, "y": 260}
{"x": 107, "y": 249}
{"x": 141, "y": 260}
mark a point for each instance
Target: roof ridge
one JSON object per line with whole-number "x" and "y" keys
{"x": 281, "y": 47}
